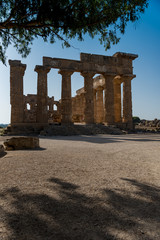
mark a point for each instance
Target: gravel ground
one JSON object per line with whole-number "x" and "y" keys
{"x": 100, "y": 187}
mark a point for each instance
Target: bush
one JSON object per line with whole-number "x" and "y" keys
{"x": 136, "y": 120}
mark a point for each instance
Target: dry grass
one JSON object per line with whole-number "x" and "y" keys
{"x": 82, "y": 187}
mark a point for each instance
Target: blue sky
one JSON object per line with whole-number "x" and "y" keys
{"x": 142, "y": 38}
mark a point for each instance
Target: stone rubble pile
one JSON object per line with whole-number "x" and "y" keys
{"x": 91, "y": 129}
{"x": 151, "y": 123}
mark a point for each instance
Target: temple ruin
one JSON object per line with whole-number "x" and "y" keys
{"x": 99, "y": 101}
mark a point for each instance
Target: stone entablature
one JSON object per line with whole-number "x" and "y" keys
{"x": 98, "y": 101}
{"x": 119, "y": 63}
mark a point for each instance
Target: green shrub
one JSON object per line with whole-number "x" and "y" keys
{"x": 136, "y": 120}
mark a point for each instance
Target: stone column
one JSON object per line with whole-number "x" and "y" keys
{"x": 117, "y": 100}
{"x": 51, "y": 103}
{"x": 89, "y": 97}
{"x": 127, "y": 101}
{"x": 78, "y": 105}
{"x": 17, "y": 70}
{"x": 99, "y": 109}
{"x": 58, "y": 107}
{"x": 50, "y": 106}
{"x": 66, "y": 97}
{"x": 82, "y": 105}
{"x": 32, "y": 105}
{"x": 109, "y": 98}
{"x": 42, "y": 94}
{"x": 95, "y": 104}
{"x": 74, "y": 105}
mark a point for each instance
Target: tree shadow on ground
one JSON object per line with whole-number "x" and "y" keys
{"x": 67, "y": 214}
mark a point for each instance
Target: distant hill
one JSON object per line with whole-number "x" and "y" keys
{"x": 3, "y": 125}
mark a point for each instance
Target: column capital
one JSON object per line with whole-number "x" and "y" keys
{"x": 113, "y": 75}
{"x": 127, "y": 77}
{"x": 39, "y": 68}
{"x": 87, "y": 74}
{"x": 65, "y": 72}
{"x": 118, "y": 79}
{"x": 82, "y": 94}
{"x": 99, "y": 88}
{"x": 17, "y": 65}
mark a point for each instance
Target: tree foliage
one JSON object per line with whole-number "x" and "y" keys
{"x": 23, "y": 21}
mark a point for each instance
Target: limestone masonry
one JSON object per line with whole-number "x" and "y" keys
{"x": 20, "y": 143}
{"x": 100, "y": 100}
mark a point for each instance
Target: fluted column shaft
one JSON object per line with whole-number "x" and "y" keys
{"x": 89, "y": 97}
{"x": 95, "y": 104}
{"x": 42, "y": 94}
{"x": 99, "y": 108}
{"x": 117, "y": 100}
{"x": 127, "y": 101}
{"x": 82, "y": 105}
{"x": 17, "y": 70}
{"x": 78, "y": 104}
{"x": 109, "y": 99}
{"x": 66, "y": 99}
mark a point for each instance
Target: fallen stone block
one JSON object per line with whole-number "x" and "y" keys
{"x": 1, "y": 148}
{"x": 20, "y": 143}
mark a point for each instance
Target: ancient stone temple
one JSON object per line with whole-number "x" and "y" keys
{"x": 101, "y": 100}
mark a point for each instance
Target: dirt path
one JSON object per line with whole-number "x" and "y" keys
{"x": 82, "y": 187}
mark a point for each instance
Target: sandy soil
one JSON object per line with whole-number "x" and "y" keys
{"x": 82, "y": 187}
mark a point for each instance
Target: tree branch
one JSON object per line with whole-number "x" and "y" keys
{"x": 11, "y": 34}
{"x": 10, "y": 16}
